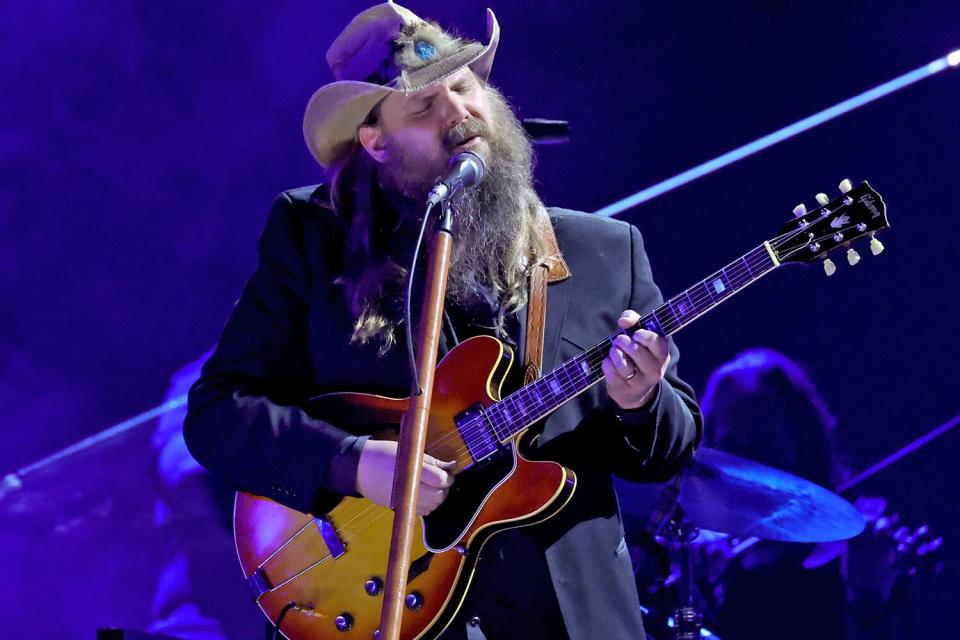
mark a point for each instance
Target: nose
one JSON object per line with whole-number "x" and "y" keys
{"x": 456, "y": 108}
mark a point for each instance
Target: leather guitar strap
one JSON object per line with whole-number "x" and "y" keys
{"x": 551, "y": 269}
{"x": 536, "y": 316}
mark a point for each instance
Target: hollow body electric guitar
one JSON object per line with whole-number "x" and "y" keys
{"x": 332, "y": 566}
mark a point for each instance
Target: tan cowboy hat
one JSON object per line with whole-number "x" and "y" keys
{"x": 385, "y": 49}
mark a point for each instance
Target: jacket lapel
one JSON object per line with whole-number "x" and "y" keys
{"x": 558, "y": 299}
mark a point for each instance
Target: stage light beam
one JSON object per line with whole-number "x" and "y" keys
{"x": 651, "y": 192}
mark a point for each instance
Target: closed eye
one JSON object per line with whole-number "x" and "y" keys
{"x": 424, "y": 108}
{"x": 463, "y": 87}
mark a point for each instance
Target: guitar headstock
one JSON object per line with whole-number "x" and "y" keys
{"x": 857, "y": 212}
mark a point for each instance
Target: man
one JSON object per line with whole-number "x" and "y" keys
{"x": 323, "y": 313}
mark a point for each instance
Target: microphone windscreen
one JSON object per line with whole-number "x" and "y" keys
{"x": 473, "y": 158}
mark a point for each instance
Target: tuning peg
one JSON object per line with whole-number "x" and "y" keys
{"x": 845, "y": 185}
{"x": 828, "y": 267}
{"x": 852, "y": 256}
{"x": 876, "y": 247}
{"x": 822, "y": 198}
{"x": 800, "y": 210}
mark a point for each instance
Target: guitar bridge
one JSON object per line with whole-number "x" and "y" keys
{"x": 330, "y": 538}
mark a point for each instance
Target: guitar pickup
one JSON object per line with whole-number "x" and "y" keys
{"x": 330, "y": 538}
{"x": 477, "y": 432}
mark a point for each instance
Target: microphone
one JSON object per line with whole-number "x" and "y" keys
{"x": 465, "y": 170}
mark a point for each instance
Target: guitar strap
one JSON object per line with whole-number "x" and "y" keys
{"x": 552, "y": 269}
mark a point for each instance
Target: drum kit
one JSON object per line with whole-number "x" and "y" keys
{"x": 719, "y": 495}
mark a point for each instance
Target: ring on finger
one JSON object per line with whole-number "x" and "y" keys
{"x": 632, "y": 374}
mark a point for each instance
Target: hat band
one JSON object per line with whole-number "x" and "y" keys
{"x": 388, "y": 75}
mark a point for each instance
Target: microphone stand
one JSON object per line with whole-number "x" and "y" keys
{"x": 413, "y": 430}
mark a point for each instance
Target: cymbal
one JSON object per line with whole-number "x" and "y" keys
{"x": 743, "y": 498}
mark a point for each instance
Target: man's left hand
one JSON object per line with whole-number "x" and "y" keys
{"x": 635, "y": 365}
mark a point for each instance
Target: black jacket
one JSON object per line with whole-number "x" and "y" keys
{"x": 287, "y": 340}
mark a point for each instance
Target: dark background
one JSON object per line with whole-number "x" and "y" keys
{"x": 141, "y": 144}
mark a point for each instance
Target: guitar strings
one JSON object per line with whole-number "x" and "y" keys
{"x": 669, "y": 326}
{"x": 749, "y": 262}
{"x": 526, "y": 396}
{"x": 734, "y": 271}
{"x": 735, "y": 268}
{"x": 575, "y": 377}
{"x": 756, "y": 256}
{"x": 372, "y": 513}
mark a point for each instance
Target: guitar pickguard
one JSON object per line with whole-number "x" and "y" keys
{"x": 444, "y": 527}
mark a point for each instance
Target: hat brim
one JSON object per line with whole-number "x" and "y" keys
{"x": 336, "y": 110}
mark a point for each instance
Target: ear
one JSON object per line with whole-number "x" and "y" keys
{"x": 371, "y": 137}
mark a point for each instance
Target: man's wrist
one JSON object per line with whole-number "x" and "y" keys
{"x": 645, "y": 400}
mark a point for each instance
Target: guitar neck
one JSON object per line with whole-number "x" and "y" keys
{"x": 535, "y": 401}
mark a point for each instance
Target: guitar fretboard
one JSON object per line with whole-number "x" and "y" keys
{"x": 536, "y": 400}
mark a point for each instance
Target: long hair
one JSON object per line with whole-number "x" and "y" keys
{"x": 762, "y": 405}
{"x": 498, "y": 259}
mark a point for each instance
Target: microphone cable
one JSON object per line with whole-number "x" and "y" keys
{"x": 407, "y": 311}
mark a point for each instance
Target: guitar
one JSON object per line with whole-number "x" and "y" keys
{"x": 332, "y": 566}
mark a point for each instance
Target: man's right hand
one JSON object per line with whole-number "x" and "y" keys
{"x": 375, "y": 476}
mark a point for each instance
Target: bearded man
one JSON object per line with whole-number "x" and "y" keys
{"x": 323, "y": 313}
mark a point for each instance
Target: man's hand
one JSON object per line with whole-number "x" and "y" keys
{"x": 635, "y": 365}
{"x": 375, "y": 476}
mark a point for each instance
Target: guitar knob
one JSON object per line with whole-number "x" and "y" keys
{"x": 800, "y": 210}
{"x": 876, "y": 247}
{"x": 822, "y": 198}
{"x": 845, "y": 185}
{"x": 828, "y": 267}
{"x": 413, "y": 601}
{"x": 344, "y": 622}
{"x": 852, "y": 256}
{"x": 373, "y": 586}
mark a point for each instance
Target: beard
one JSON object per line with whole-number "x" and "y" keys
{"x": 491, "y": 219}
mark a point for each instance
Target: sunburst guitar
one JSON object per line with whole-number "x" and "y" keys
{"x": 332, "y": 566}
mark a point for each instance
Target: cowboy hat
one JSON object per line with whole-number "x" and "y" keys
{"x": 385, "y": 49}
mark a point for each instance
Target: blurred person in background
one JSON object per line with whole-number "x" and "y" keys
{"x": 763, "y": 406}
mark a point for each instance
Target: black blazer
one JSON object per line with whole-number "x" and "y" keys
{"x": 287, "y": 339}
